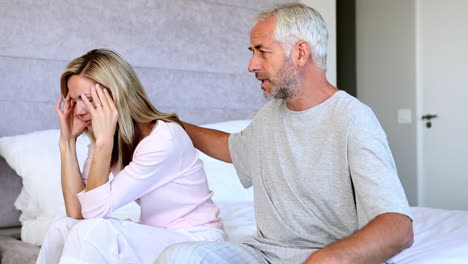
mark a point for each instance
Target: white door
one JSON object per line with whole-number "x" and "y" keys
{"x": 442, "y": 28}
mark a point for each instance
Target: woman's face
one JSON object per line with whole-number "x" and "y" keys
{"x": 78, "y": 85}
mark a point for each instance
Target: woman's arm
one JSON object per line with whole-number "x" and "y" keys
{"x": 72, "y": 183}
{"x": 104, "y": 121}
{"x": 70, "y": 129}
{"x": 154, "y": 163}
{"x": 100, "y": 166}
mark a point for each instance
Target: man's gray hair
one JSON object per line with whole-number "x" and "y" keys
{"x": 295, "y": 22}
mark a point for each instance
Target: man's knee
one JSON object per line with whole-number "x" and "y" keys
{"x": 207, "y": 253}
{"x": 184, "y": 252}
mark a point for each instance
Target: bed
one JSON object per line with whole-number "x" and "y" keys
{"x": 441, "y": 236}
{"x": 193, "y": 55}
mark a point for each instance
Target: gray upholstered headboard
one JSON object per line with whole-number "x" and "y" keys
{"x": 191, "y": 56}
{"x": 10, "y": 187}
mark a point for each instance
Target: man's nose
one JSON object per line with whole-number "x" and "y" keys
{"x": 254, "y": 64}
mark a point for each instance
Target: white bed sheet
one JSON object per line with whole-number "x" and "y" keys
{"x": 239, "y": 220}
{"x": 441, "y": 236}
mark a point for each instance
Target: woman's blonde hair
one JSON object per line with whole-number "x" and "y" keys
{"x": 109, "y": 69}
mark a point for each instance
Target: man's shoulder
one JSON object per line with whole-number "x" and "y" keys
{"x": 350, "y": 105}
{"x": 359, "y": 116}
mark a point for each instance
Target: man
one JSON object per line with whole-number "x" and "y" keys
{"x": 325, "y": 184}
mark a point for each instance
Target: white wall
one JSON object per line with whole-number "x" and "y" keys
{"x": 412, "y": 54}
{"x": 327, "y": 9}
{"x": 386, "y": 77}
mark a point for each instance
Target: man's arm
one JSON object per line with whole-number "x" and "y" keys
{"x": 212, "y": 142}
{"x": 383, "y": 237}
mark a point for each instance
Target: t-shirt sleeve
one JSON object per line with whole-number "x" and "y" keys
{"x": 376, "y": 184}
{"x": 153, "y": 161}
{"x": 242, "y": 155}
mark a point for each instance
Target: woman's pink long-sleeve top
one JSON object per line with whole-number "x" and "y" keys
{"x": 165, "y": 177}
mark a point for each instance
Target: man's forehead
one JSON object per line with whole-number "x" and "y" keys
{"x": 264, "y": 27}
{"x": 262, "y": 33}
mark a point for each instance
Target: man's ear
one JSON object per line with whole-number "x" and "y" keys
{"x": 302, "y": 50}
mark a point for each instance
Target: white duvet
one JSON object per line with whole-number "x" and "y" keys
{"x": 441, "y": 236}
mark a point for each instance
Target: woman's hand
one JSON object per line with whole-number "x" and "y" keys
{"x": 70, "y": 126}
{"x": 104, "y": 114}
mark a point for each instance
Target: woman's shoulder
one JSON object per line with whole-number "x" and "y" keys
{"x": 164, "y": 135}
{"x": 166, "y": 130}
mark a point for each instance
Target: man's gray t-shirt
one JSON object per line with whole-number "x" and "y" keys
{"x": 318, "y": 175}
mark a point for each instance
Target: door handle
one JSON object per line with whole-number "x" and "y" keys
{"x": 428, "y": 117}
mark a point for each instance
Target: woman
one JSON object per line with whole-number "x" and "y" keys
{"x": 151, "y": 157}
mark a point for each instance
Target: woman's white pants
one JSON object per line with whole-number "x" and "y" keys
{"x": 108, "y": 240}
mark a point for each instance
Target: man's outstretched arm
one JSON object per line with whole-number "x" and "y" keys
{"x": 213, "y": 143}
{"x": 382, "y": 238}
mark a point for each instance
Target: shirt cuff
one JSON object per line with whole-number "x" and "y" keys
{"x": 96, "y": 202}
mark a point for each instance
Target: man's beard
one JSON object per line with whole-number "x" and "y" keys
{"x": 287, "y": 83}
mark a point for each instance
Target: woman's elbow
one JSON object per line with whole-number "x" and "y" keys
{"x": 76, "y": 216}
{"x": 95, "y": 213}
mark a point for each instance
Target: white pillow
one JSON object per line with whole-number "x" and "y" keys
{"x": 36, "y": 159}
{"x": 222, "y": 177}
